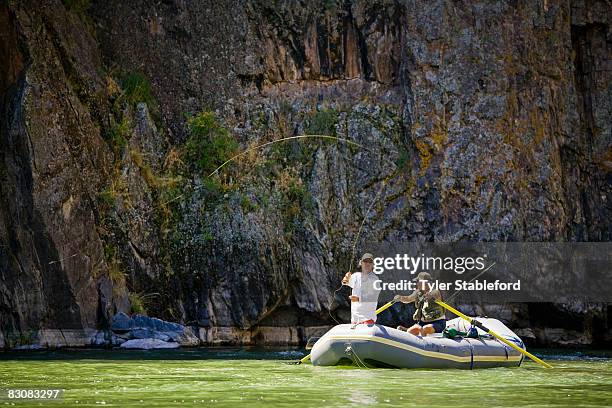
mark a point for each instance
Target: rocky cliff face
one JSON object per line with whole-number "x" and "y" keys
{"x": 478, "y": 119}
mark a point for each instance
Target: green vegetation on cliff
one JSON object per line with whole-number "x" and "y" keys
{"x": 209, "y": 144}
{"x": 322, "y": 122}
{"x": 137, "y": 89}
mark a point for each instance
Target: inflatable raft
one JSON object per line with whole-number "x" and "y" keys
{"x": 381, "y": 346}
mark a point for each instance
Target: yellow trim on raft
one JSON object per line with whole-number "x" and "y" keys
{"x": 422, "y": 352}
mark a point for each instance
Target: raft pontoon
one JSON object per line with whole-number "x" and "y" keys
{"x": 382, "y": 346}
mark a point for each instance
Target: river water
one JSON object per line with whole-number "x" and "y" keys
{"x": 265, "y": 378}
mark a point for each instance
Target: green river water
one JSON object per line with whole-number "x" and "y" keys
{"x": 264, "y": 378}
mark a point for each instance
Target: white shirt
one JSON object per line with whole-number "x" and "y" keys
{"x": 363, "y": 287}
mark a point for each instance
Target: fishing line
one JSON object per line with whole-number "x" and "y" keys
{"x": 262, "y": 145}
{"x": 298, "y": 137}
{"x": 310, "y": 136}
{"x": 359, "y": 360}
{"x": 365, "y": 217}
{"x": 284, "y": 139}
{"x": 341, "y": 139}
{"x": 63, "y": 259}
{"x": 451, "y": 297}
{"x": 470, "y": 281}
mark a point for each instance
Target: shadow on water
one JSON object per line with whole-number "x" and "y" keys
{"x": 573, "y": 354}
{"x": 213, "y": 353}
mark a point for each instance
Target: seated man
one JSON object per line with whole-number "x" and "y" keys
{"x": 364, "y": 296}
{"x": 429, "y": 316}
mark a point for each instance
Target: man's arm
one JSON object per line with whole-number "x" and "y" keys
{"x": 355, "y": 283}
{"x": 406, "y": 299}
{"x": 346, "y": 280}
{"x": 434, "y": 294}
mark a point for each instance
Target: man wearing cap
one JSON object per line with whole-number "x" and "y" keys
{"x": 429, "y": 316}
{"x": 364, "y": 296}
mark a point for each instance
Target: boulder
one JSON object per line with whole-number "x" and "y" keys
{"x": 153, "y": 323}
{"x": 526, "y": 334}
{"x": 150, "y": 334}
{"x": 140, "y": 327}
{"x": 116, "y": 340}
{"x": 148, "y": 344}
{"x": 122, "y": 322}
{"x": 101, "y": 338}
{"x": 124, "y": 335}
{"x": 188, "y": 338}
{"x": 562, "y": 337}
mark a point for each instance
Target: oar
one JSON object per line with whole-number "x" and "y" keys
{"x": 378, "y": 311}
{"x": 476, "y": 323}
{"x": 385, "y": 307}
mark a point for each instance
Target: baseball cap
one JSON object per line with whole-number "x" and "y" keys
{"x": 422, "y": 276}
{"x": 365, "y": 256}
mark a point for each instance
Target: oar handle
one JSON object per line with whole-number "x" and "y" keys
{"x": 492, "y": 333}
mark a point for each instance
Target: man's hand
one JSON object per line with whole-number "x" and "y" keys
{"x": 346, "y": 278}
{"x": 405, "y": 299}
{"x": 400, "y": 298}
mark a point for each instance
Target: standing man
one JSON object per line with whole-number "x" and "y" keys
{"x": 364, "y": 296}
{"x": 429, "y": 316}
